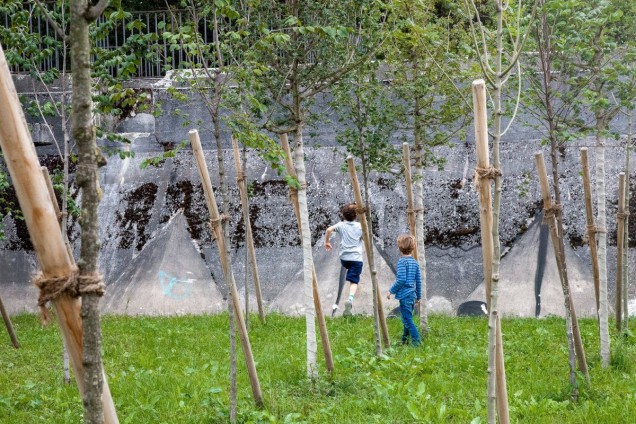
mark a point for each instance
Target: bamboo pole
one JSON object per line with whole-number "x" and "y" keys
{"x": 409, "y": 193}
{"x": 620, "y": 239}
{"x": 320, "y": 316}
{"x": 242, "y": 185}
{"x": 410, "y": 212}
{"x": 41, "y": 219}
{"x": 215, "y": 223}
{"x": 502, "y": 389}
{"x": 368, "y": 244}
{"x": 60, "y": 218}
{"x": 483, "y": 174}
{"x": 573, "y": 333}
{"x": 591, "y": 227}
{"x": 7, "y": 323}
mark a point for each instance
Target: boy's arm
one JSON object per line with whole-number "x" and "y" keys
{"x": 328, "y": 236}
{"x": 400, "y": 275}
{"x": 418, "y": 282}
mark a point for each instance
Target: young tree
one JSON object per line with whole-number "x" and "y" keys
{"x": 90, "y": 158}
{"x": 306, "y": 48}
{"x": 555, "y": 104}
{"x": 601, "y": 35}
{"x": 423, "y": 54}
{"x": 508, "y": 38}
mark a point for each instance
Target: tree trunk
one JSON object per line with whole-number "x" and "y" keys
{"x": 602, "y": 246}
{"x": 308, "y": 259}
{"x": 550, "y": 217}
{"x": 419, "y": 212}
{"x": 241, "y": 181}
{"x": 626, "y": 236}
{"x": 620, "y": 238}
{"x": 293, "y": 195}
{"x": 90, "y": 158}
{"x": 226, "y": 264}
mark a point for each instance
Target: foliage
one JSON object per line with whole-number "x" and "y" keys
{"x": 175, "y": 369}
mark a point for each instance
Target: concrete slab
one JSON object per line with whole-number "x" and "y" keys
{"x": 167, "y": 277}
{"x": 526, "y": 264}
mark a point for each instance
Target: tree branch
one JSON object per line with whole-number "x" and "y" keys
{"x": 93, "y": 12}
{"x": 50, "y": 20}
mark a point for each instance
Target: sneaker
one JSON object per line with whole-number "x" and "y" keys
{"x": 334, "y": 308}
{"x": 347, "y": 311}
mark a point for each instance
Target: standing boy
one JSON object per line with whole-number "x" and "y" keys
{"x": 407, "y": 287}
{"x": 350, "y": 250}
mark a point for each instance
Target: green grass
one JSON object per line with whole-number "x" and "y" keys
{"x": 175, "y": 370}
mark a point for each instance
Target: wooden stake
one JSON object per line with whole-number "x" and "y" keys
{"x": 591, "y": 227}
{"x": 7, "y": 323}
{"x": 41, "y": 219}
{"x": 620, "y": 239}
{"x": 574, "y": 335}
{"x": 482, "y": 176}
{"x": 215, "y": 223}
{"x": 502, "y": 389}
{"x": 320, "y": 316}
{"x": 368, "y": 244}
{"x": 409, "y": 193}
{"x": 242, "y": 185}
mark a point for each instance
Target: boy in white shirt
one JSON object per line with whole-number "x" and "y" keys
{"x": 350, "y": 249}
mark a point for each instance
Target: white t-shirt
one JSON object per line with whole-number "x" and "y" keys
{"x": 350, "y": 240}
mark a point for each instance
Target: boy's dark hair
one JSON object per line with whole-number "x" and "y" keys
{"x": 349, "y": 212}
{"x": 406, "y": 244}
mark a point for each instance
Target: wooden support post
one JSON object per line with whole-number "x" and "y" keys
{"x": 215, "y": 223}
{"x": 41, "y": 219}
{"x": 574, "y": 334}
{"x": 7, "y": 323}
{"x": 497, "y": 395}
{"x": 409, "y": 193}
{"x": 485, "y": 201}
{"x": 502, "y": 389}
{"x": 591, "y": 227}
{"x": 620, "y": 238}
{"x": 320, "y": 316}
{"x": 368, "y": 244}
{"x": 241, "y": 181}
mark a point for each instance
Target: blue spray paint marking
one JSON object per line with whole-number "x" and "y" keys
{"x": 174, "y": 287}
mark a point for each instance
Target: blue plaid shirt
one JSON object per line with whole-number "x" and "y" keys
{"x": 408, "y": 281}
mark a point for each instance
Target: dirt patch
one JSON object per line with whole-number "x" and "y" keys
{"x": 136, "y": 215}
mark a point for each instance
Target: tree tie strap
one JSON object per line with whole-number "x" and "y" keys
{"x": 73, "y": 285}
{"x": 591, "y": 230}
{"x": 481, "y": 173}
{"x": 551, "y": 212}
{"x": 215, "y": 222}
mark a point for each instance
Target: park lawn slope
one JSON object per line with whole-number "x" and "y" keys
{"x": 175, "y": 370}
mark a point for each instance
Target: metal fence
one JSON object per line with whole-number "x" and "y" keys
{"x": 112, "y": 34}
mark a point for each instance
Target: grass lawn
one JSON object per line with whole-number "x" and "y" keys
{"x": 175, "y": 370}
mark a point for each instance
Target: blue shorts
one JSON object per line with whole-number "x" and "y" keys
{"x": 354, "y": 269}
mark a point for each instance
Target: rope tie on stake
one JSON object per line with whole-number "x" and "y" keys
{"x": 361, "y": 209}
{"x": 214, "y": 223}
{"x": 240, "y": 177}
{"x": 481, "y": 173}
{"x": 622, "y": 215}
{"x": 591, "y": 230}
{"x": 409, "y": 210}
{"x": 73, "y": 284}
{"x": 551, "y": 212}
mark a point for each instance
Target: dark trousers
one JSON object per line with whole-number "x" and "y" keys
{"x": 410, "y": 329}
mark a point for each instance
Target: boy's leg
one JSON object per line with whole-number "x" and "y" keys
{"x": 353, "y": 287}
{"x": 354, "y": 269}
{"x": 406, "y": 309}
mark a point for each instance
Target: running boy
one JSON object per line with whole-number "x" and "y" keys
{"x": 407, "y": 287}
{"x": 350, "y": 249}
